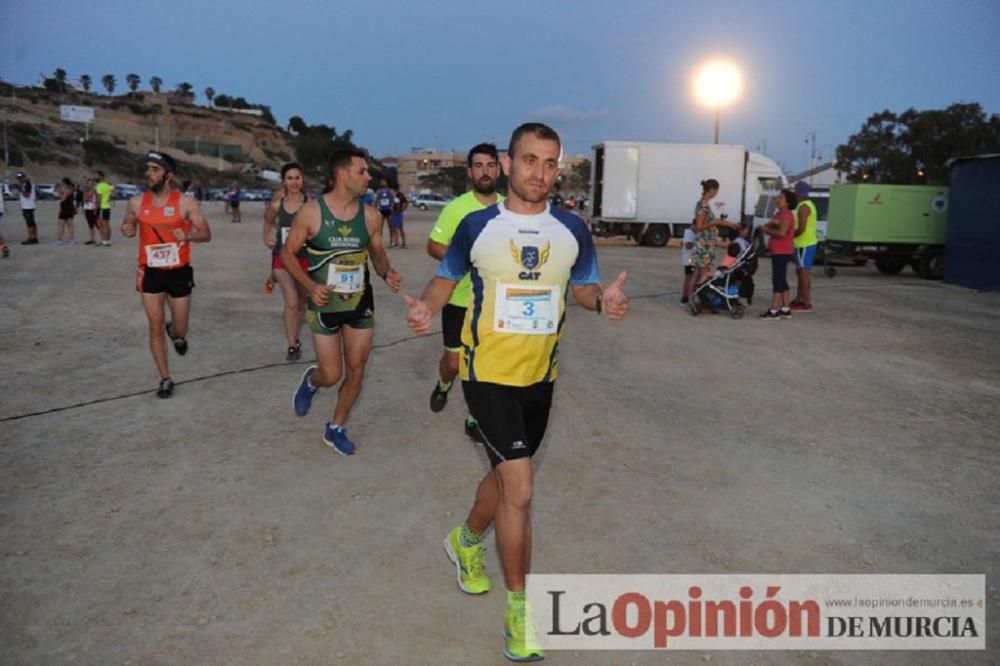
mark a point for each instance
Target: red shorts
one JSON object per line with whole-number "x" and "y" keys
{"x": 276, "y": 263}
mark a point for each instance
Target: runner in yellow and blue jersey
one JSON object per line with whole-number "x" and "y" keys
{"x": 523, "y": 258}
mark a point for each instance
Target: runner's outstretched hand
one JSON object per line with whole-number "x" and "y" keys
{"x": 615, "y": 302}
{"x": 418, "y": 318}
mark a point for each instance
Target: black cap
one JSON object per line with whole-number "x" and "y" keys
{"x": 163, "y": 160}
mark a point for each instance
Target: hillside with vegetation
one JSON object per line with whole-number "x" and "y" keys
{"x": 212, "y": 145}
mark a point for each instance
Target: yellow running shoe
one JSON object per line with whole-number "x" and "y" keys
{"x": 469, "y": 563}
{"x": 520, "y": 638}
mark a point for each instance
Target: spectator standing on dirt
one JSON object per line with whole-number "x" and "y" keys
{"x": 397, "y": 237}
{"x": 89, "y": 206}
{"x": 4, "y": 250}
{"x": 805, "y": 247}
{"x": 67, "y": 211}
{"x": 706, "y": 231}
{"x": 781, "y": 230}
{"x": 28, "y": 205}
{"x": 104, "y": 192}
{"x": 385, "y": 200}
{"x": 233, "y": 198}
{"x": 687, "y": 258}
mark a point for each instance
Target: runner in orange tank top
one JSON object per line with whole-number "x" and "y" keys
{"x": 167, "y": 224}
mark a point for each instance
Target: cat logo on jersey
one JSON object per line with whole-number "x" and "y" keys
{"x": 531, "y": 258}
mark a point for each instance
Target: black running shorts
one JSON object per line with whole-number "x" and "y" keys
{"x": 512, "y": 419}
{"x": 176, "y": 282}
{"x": 106, "y": 214}
{"x": 452, "y": 319}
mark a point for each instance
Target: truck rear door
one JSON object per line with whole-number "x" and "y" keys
{"x": 616, "y": 190}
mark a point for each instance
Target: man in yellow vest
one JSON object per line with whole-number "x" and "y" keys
{"x": 805, "y": 247}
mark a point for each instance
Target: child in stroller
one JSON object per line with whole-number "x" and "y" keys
{"x": 732, "y": 281}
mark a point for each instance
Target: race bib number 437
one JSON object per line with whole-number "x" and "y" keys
{"x": 163, "y": 255}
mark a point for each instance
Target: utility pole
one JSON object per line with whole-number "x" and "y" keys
{"x": 6, "y": 151}
{"x": 811, "y": 139}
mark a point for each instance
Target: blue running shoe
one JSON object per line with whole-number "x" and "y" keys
{"x": 303, "y": 397}
{"x": 336, "y": 438}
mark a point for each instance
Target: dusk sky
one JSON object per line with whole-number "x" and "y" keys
{"x": 451, "y": 74}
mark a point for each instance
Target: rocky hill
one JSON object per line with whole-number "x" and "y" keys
{"x": 213, "y": 146}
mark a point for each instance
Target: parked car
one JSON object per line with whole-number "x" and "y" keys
{"x": 256, "y": 195}
{"x": 9, "y": 193}
{"x": 125, "y": 191}
{"x": 425, "y": 201}
{"x": 45, "y": 191}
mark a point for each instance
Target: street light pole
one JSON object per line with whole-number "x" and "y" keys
{"x": 718, "y": 112}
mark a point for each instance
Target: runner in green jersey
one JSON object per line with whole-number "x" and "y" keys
{"x": 340, "y": 234}
{"x": 484, "y": 167}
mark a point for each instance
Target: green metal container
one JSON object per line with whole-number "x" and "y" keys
{"x": 887, "y": 214}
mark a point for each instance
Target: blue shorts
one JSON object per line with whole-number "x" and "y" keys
{"x": 804, "y": 257}
{"x": 396, "y": 221}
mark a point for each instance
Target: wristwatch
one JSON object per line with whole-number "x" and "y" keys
{"x": 600, "y": 297}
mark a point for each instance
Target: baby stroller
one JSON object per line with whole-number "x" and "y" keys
{"x": 728, "y": 286}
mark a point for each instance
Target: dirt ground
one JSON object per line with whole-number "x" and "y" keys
{"x": 216, "y": 528}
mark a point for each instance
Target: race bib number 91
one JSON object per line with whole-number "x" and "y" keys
{"x": 526, "y": 310}
{"x": 345, "y": 279}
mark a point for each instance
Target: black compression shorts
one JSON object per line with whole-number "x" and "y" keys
{"x": 512, "y": 419}
{"x": 176, "y": 282}
{"x": 452, "y": 319}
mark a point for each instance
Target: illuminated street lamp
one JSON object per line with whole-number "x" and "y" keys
{"x": 717, "y": 84}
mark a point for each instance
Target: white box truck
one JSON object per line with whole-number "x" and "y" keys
{"x": 647, "y": 191}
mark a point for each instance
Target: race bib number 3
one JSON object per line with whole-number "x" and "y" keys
{"x": 527, "y": 310}
{"x": 164, "y": 255}
{"x": 345, "y": 279}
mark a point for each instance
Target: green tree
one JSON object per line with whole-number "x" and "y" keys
{"x": 314, "y": 146}
{"x": 86, "y": 82}
{"x": 209, "y": 94}
{"x": 577, "y": 177}
{"x": 448, "y": 180}
{"x": 296, "y": 125}
{"x": 155, "y": 83}
{"x": 109, "y": 83}
{"x": 60, "y": 76}
{"x": 132, "y": 80}
{"x": 914, "y": 147}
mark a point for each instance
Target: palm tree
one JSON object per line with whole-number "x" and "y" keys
{"x": 60, "y": 76}
{"x": 109, "y": 83}
{"x": 86, "y": 82}
{"x": 185, "y": 90}
{"x": 155, "y": 83}
{"x": 209, "y": 94}
{"x": 133, "y": 81}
